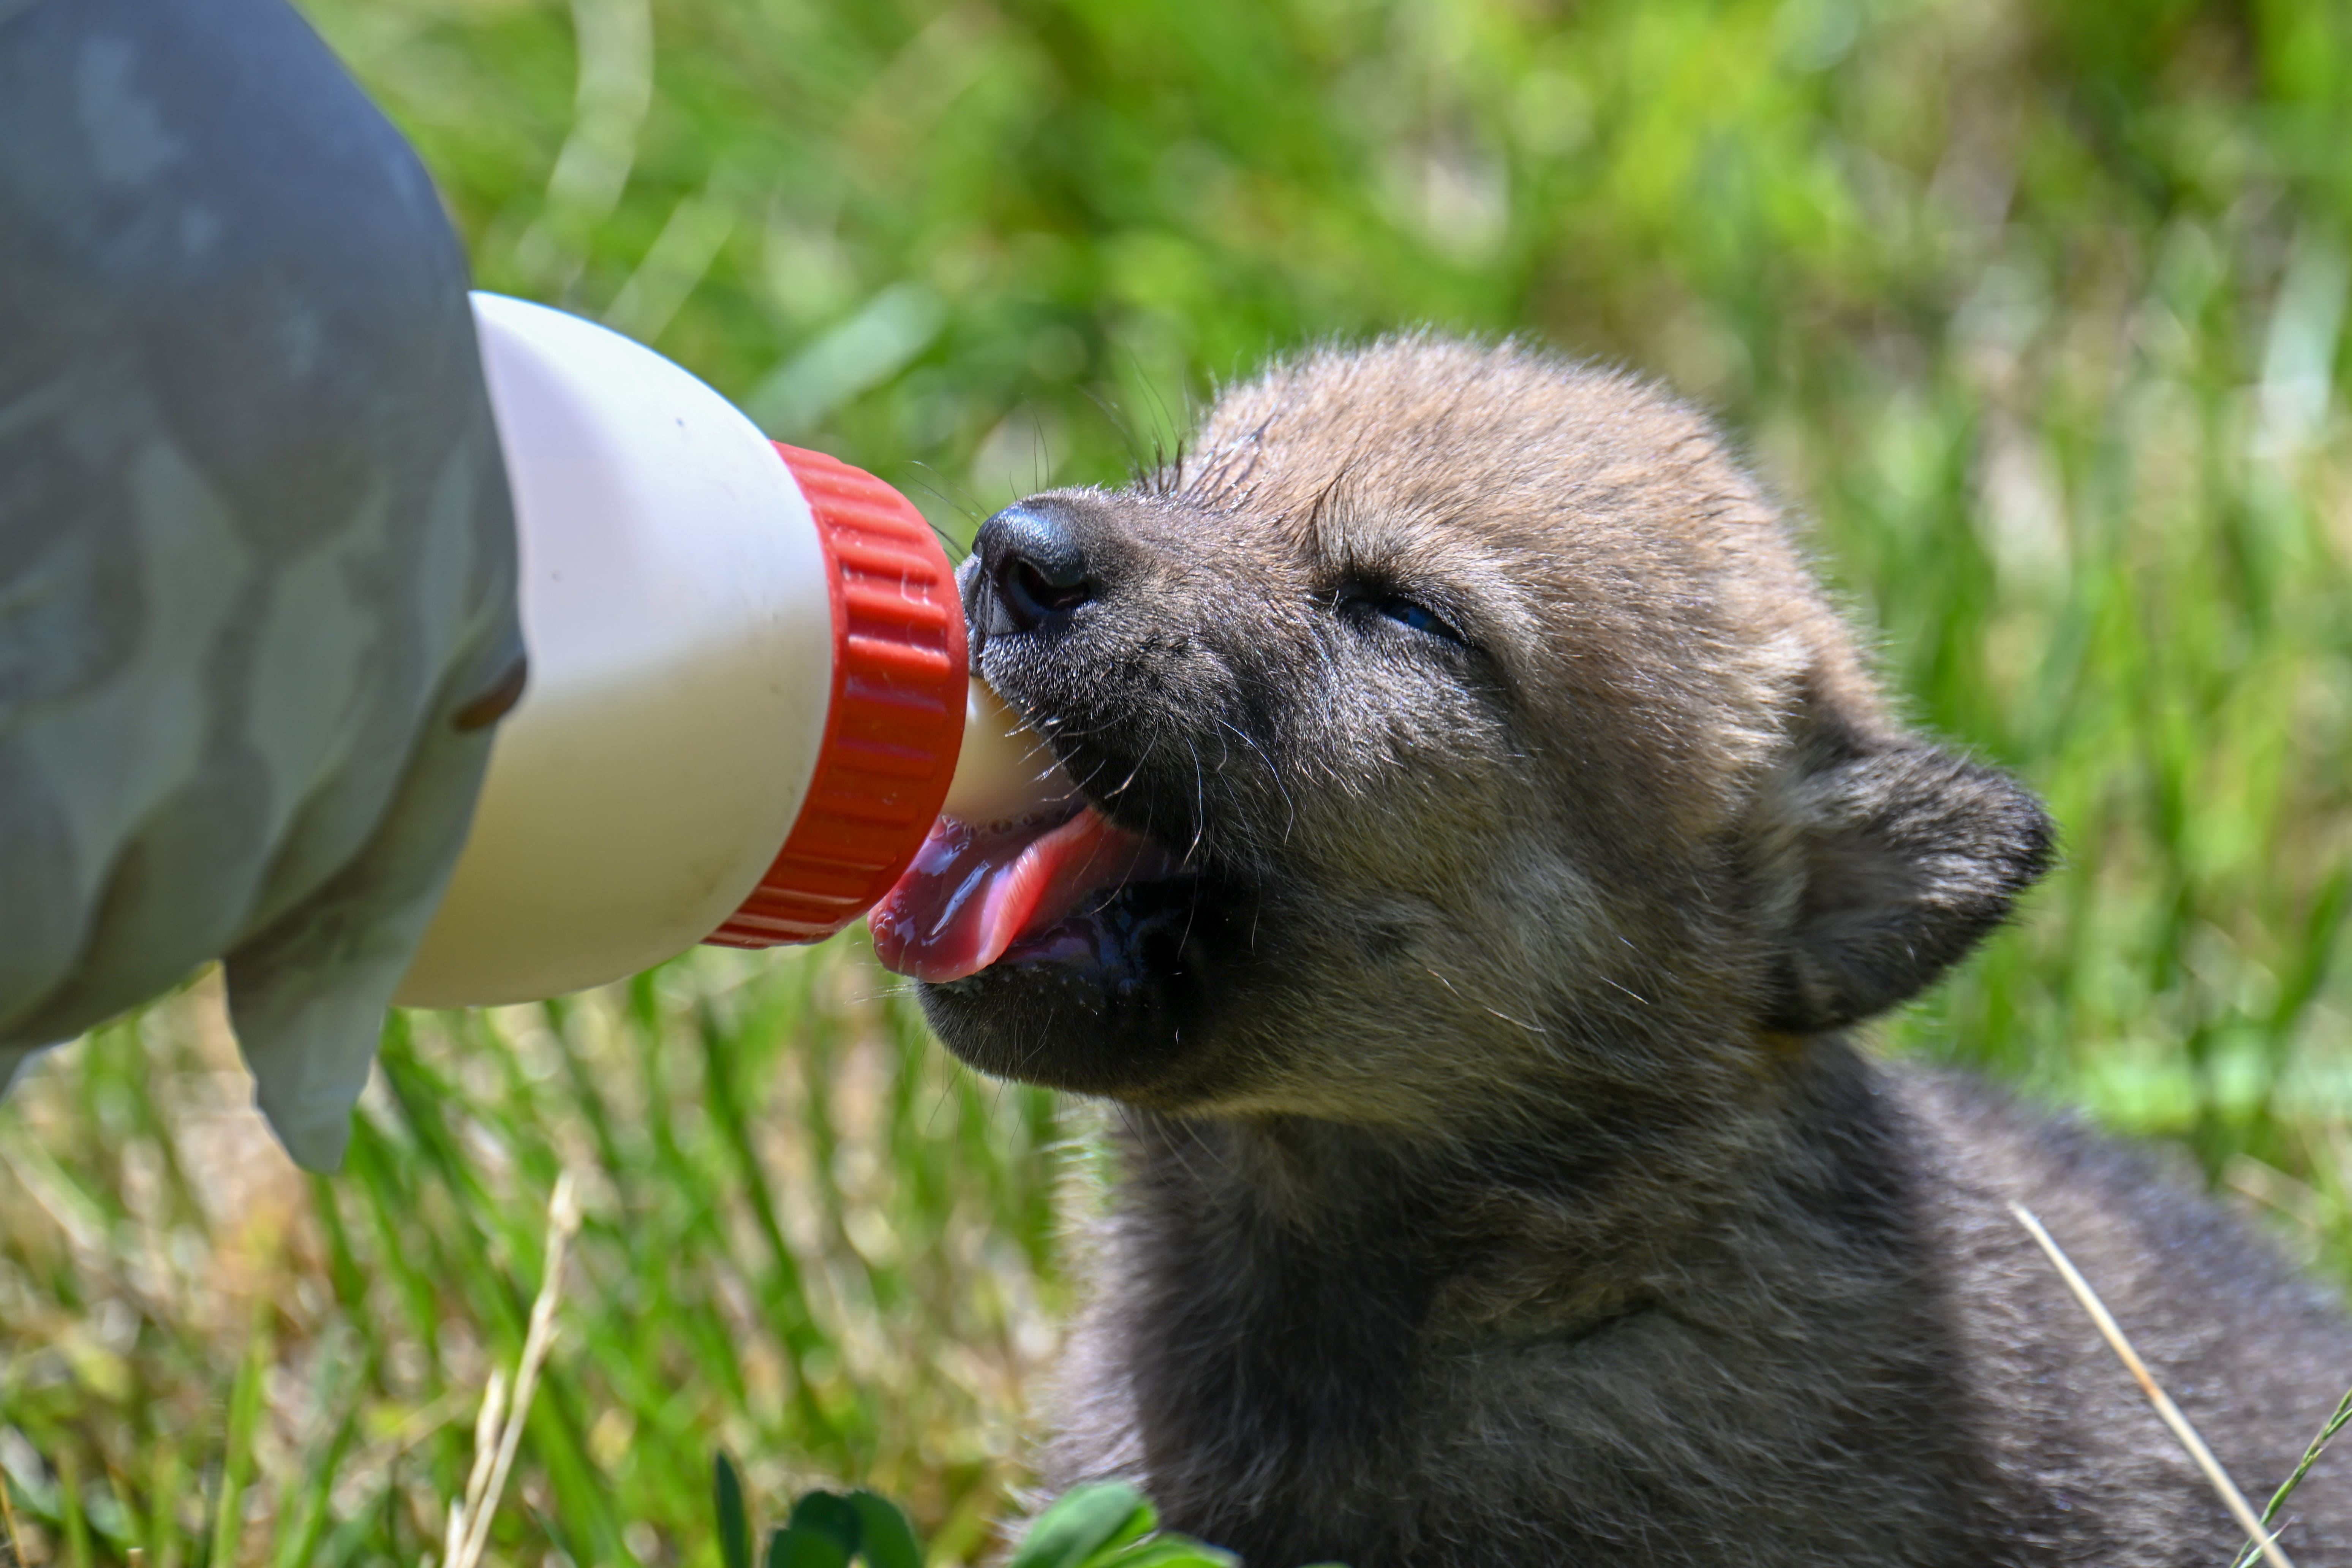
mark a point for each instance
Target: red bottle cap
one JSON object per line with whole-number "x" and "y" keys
{"x": 896, "y": 722}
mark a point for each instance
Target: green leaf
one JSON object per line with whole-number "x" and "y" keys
{"x": 823, "y": 1532}
{"x": 734, "y": 1525}
{"x": 1169, "y": 1552}
{"x": 883, "y": 1535}
{"x": 1085, "y": 1521}
{"x": 790, "y": 1548}
{"x": 828, "y": 1514}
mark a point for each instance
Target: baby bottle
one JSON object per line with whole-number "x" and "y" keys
{"x": 748, "y": 685}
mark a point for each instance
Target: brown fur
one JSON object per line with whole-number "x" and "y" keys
{"x": 1498, "y": 1185}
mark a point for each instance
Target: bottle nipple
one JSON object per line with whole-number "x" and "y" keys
{"x": 1005, "y": 770}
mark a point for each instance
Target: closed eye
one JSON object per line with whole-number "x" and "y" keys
{"x": 1406, "y": 612}
{"x": 1419, "y": 617}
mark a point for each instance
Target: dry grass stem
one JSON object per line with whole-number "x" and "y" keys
{"x": 2168, "y": 1412}
{"x": 496, "y": 1443}
{"x": 8, "y": 1518}
{"x": 486, "y": 1448}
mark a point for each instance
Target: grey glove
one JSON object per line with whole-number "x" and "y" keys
{"x": 256, "y": 555}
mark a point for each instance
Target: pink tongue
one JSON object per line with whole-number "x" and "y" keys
{"x": 972, "y": 892}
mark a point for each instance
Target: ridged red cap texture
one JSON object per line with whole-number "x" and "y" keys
{"x": 896, "y": 720}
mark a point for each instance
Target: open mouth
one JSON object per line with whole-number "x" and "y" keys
{"x": 1066, "y": 887}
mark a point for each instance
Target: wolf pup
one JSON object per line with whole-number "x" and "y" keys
{"x": 1489, "y": 837}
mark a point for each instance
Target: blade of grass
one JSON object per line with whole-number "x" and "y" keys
{"x": 302, "y": 1528}
{"x": 70, "y": 1506}
{"x": 2303, "y": 1468}
{"x": 785, "y": 1293}
{"x": 243, "y": 1420}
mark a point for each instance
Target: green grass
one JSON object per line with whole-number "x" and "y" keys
{"x": 2036, "y": 312}
{"x": 805, "y": 1238}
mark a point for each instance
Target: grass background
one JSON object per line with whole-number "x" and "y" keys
{"x": 2035, "y": 311}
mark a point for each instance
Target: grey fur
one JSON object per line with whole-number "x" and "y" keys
{"x": 1498, "y": 1185}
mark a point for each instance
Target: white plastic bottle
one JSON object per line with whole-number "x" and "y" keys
{"x": 747, "y": 687}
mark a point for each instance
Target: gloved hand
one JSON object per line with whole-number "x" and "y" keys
{"x": 257, "y": 558}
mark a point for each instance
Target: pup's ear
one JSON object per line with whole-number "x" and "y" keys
{"x": 1903, "y": 857}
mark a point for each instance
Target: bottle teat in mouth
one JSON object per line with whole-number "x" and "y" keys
{"x": 1005, "y": 770}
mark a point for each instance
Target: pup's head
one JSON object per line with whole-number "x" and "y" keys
{"x": 1491, "y": 736}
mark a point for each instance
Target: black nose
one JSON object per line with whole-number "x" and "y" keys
{"x": 1033, "y": 557}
